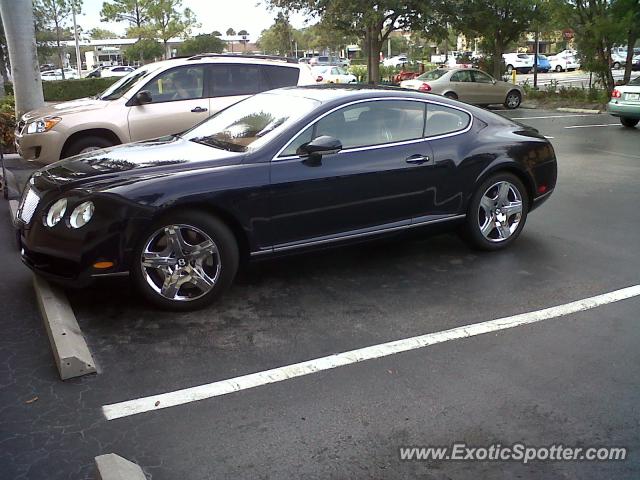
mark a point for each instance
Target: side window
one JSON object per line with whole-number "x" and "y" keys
{"x": 367, "y": 124}
{"x": 442, "y": 120}
{"x": 281, "y": 76}
{"x": 182, "y": 83}
{"x": 481, "y": 77}
{"x": 462, "y": 76}
{"x": 226, "y": 80}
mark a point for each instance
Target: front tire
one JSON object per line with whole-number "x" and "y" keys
{"x": 497, "y": 212}
{"x": 558, "y": 68}
{"x": 513, "y": 100}
{"x": 629, "y": 122}
{"x": 185, "y": 261}
{"x": 616, "y": 65}
{"x": 87, "y": 144}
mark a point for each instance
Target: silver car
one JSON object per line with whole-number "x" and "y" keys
{"x": 468, "y": 85}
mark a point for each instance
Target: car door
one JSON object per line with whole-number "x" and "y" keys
{"x": 377, "y": 181}
{"x": 178, "y": 103}
{"x": 486, "y": 90}
{"x": 462, "y": 84}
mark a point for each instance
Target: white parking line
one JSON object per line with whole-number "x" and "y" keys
{"x": 223, "y": 387}
{"x": 555, "y": 116}
{"x": 599, "y": 125}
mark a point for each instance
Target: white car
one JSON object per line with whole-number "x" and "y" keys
{"x": 117, "y": 71}
{"x": 564, "y": 61}
{"x": 50, "y": 75}
{"x": 333, "y": 75}
{"x": 520, "y": 62}
{"x": 396, "y": 61}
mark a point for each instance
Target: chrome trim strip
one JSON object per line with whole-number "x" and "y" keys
{"x": 113, "y": 274}
{"x": 277, "y": 158}
{"x": 540, "y": 197}
{"x": 348, "y": 236}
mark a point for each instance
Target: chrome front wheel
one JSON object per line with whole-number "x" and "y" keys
{"x": 180, "y": 262}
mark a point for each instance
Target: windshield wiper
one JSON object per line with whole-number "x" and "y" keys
{"x": 221, "y": 144}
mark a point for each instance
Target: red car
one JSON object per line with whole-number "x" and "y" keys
{"x": 400, "y": 77}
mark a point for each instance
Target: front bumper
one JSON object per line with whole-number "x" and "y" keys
{"x": 619, "y": 108}
{"x": 68, "y": 256}
{"x": 43, "y": 147}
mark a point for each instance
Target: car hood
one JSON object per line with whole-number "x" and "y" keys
{"x": 104, "y": 168}
{"x": 74, "y": 106}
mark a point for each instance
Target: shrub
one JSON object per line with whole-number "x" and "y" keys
{"x": 61, "y": 90}
{"x": 7, "y": 123}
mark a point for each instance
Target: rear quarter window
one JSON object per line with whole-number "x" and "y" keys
{"x": 281, "y": 76}
{"x": 443, "y": 120}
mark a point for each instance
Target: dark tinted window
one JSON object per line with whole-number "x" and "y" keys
{"x": 442, "y": 120}
{"x": 281, "y": 76}
{"x": 229, "y": 80}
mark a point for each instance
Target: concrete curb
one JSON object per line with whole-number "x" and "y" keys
{"x": 13, "y": 209}
{"x": 114, "y": 467}
{"x": 67, "y": 343}
{"x": 577, "y": 110}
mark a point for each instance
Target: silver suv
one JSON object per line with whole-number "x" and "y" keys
{"x": 158, "y": 99}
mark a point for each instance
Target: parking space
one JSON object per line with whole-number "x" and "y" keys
{"x": 569, "y": 379}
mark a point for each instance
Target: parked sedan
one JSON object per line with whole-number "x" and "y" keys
{"x": 469, "y": 85}
{"x": 117, "y": 71}
{"x": 333, "y": 75}
{"x": 625, "y": 103}
{"x": 280, "y": 172}
{"x": 57, "y": 74}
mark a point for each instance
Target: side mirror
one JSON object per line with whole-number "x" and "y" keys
{"x": 323, "y": 145}
{"x": 143, "y": 96}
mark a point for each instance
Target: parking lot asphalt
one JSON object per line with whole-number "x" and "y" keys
{"x": 570, "y": 380}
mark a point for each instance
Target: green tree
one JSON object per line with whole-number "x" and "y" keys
{"x": 278, "y": 38}
{"x": 216, "y": 33}
{"x": 206, "y": 43}
{"x": 597, "y": 31}
{"x": 230, "y": 32}
{"x": 166, "y": 21}
{"x": 372, "y": 20}
{"x": 146, "y": 48}
{"x": 98, "y": 33}
{"x": 54, "y": 14}
{"x": 132, "y": 11}
{"x": 628, "y": 11}
{"x": 500, "y": 23}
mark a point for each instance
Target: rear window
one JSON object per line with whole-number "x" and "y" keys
{"x": 281, "y": 76}
{"x": 442, "y": 120}
{"x": 433, "y": 74}
{"x": 635, "y": 81}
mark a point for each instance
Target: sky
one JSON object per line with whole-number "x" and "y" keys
{"x": 218, "y": 15}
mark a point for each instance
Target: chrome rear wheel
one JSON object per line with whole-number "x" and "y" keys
{"x": 500, "y": 211}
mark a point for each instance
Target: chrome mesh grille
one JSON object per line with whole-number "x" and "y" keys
{"x": 28, "y": 204}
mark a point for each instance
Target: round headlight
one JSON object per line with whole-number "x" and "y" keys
{"x": 81, "y": 215}
{"x": 56, "y": 212}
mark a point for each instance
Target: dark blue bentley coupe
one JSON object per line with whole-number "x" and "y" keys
{"x": 282, "y": 171}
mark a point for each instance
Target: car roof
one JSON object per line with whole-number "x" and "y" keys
{"x": 327, "y": 93}
{"x": 229, "y": 58}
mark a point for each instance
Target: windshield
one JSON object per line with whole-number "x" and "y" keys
{"x": 119, "y": 88}
{"x": 251, "y": 122}
{"x": 433, "y": 74}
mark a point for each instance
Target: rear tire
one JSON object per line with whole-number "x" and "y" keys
{"x": 513, "y": 100}
{"x": 616, "y": 65}
{"x": 558, "y": 68}
{"x": 451, "y": 95}
{"x": 509, "y": 69}
{"x": 629, "y": 122}
{"x": 185, "y": 261}
{"x": 494, "y": 220}
{"x": 87, "y": 144}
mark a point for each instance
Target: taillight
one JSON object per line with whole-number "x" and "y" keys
{"x": 425, "y": 87}
{"x": 319, "y": 78}
{"x": 616, "y": 93}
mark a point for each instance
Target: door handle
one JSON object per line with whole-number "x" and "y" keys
{"x": 417, "y": 159}
{"x": 198, "y": 110}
